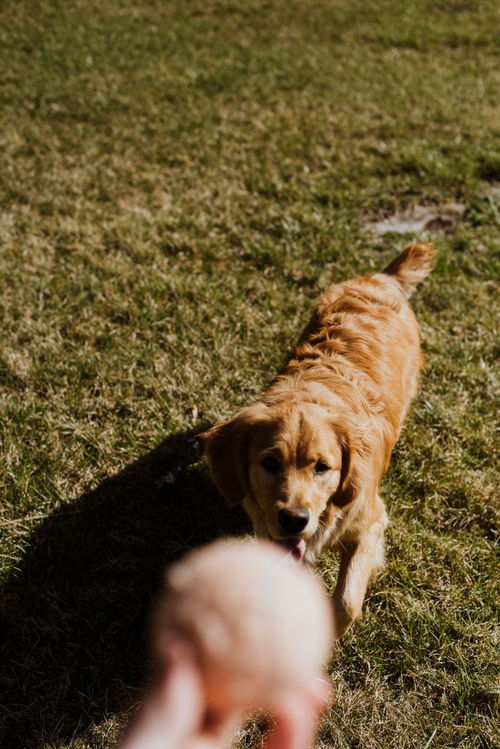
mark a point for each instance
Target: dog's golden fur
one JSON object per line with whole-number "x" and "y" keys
{"x": 319, "y": 439}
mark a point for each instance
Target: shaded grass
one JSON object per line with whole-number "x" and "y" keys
{"x": 178, "y": 182}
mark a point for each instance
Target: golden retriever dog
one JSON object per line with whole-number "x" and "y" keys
{"x": 307, "y": 457}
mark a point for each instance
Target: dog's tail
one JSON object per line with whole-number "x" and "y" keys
{"x": 411, "y": 266}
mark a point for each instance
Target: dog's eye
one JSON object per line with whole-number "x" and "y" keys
{"x": 321, "y": 467}
{"x": 270, "y": 464}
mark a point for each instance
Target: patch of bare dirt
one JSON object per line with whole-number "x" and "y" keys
{"x": 420, "y": 218}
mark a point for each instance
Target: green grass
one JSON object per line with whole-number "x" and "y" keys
{"x": 178, "y": 181}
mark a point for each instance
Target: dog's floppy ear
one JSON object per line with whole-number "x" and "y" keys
{"x": 226, "y": 448}
{"x": 345, "y": 491}
{"x": 355, "y": 448}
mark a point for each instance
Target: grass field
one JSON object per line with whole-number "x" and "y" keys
{"x": 178, "y": 181}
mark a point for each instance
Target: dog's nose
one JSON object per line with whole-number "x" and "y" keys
{"x": 293, "y": 521}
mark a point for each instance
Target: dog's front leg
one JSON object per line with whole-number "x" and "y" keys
{"x": 359, "y": 563}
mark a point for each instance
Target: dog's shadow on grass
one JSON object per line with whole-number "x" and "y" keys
{"x": 75, "y": 612}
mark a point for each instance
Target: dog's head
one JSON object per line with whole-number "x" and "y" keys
{"x": 293, "y": 465}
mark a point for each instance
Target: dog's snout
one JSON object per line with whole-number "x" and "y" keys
{"x": 293, "y": 521}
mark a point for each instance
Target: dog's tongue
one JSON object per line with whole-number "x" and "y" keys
{"x": 294, "y": 546}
